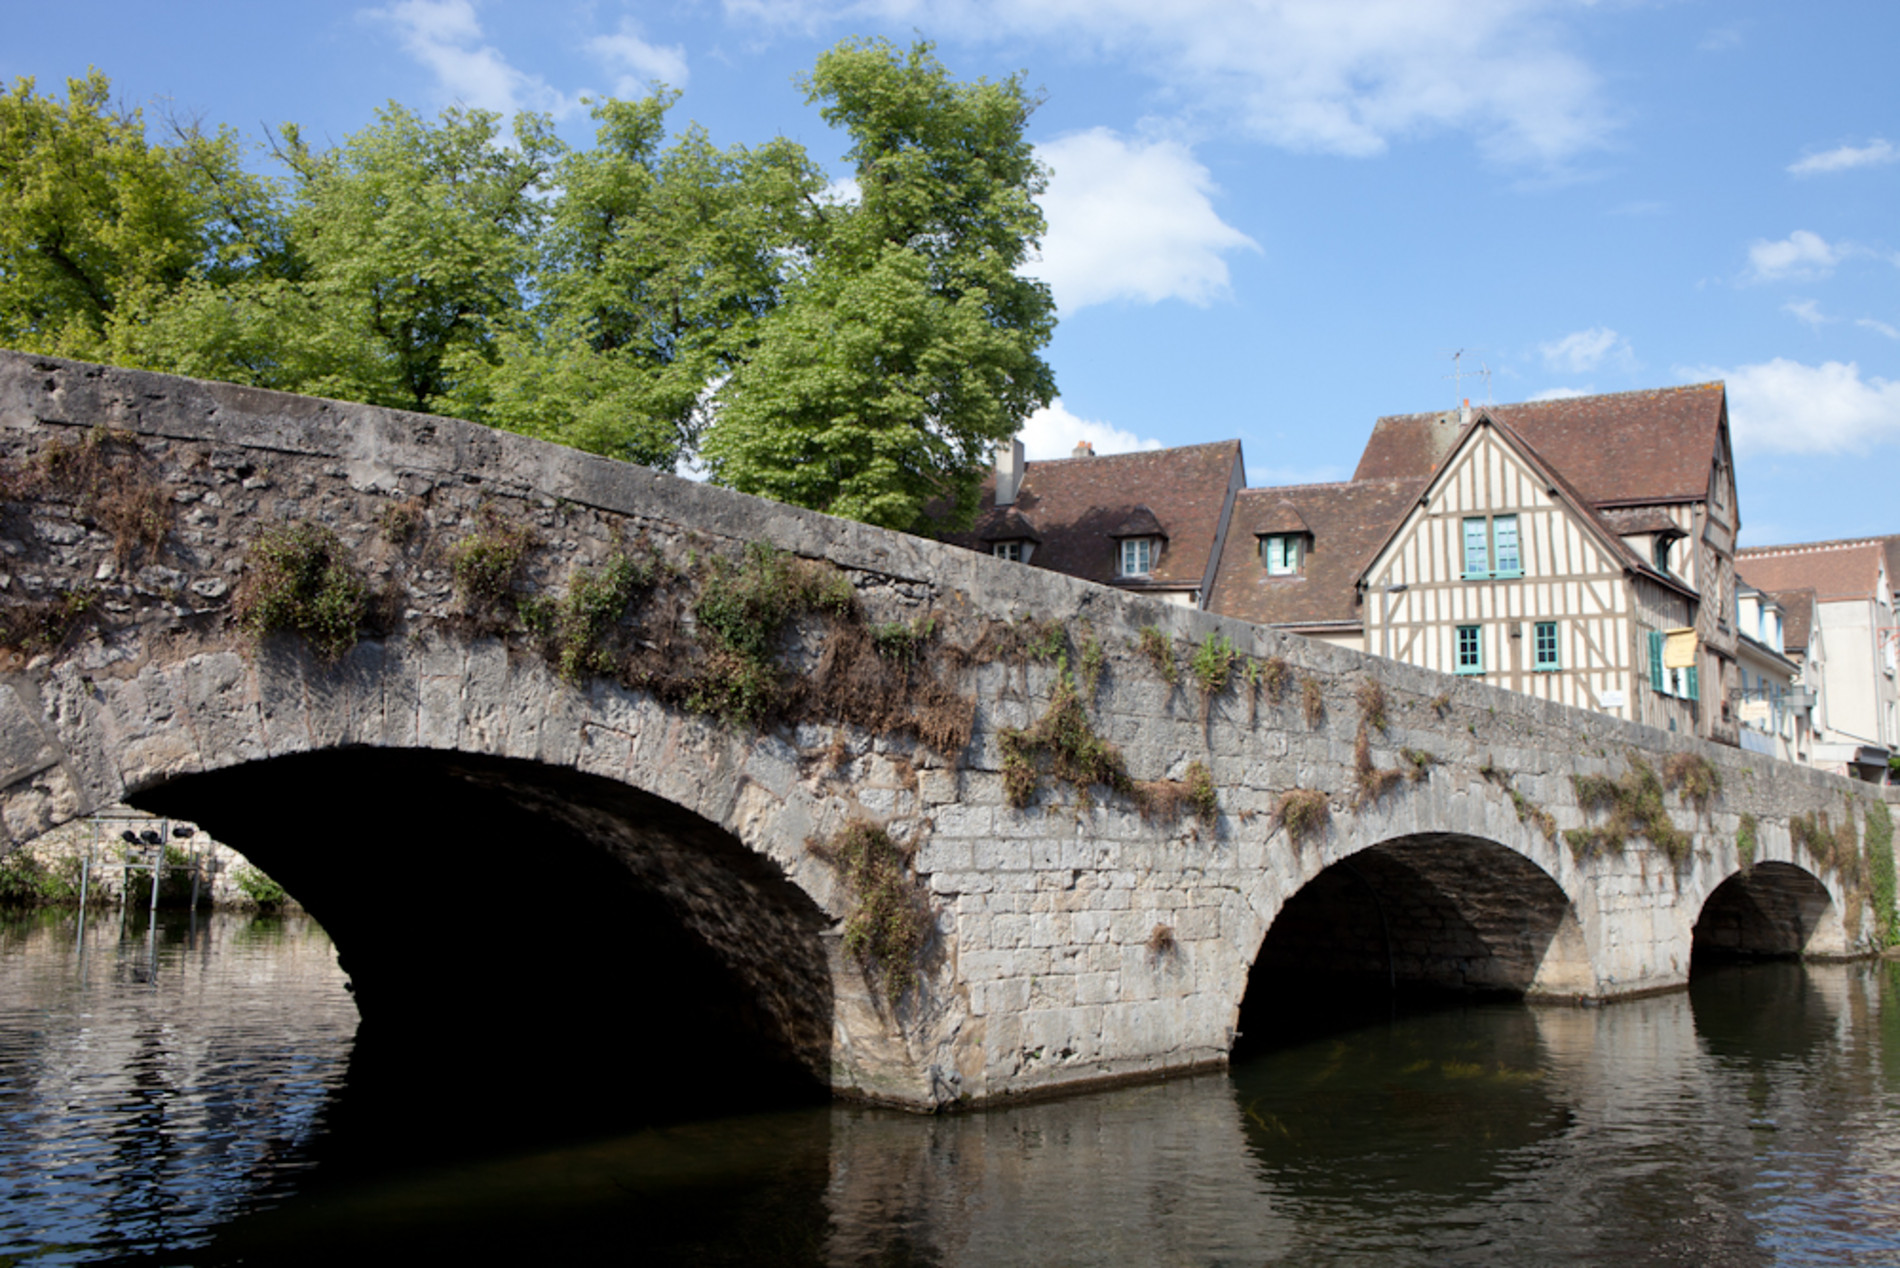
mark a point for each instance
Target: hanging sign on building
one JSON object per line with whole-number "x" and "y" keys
{"x": 1679, "y": 649}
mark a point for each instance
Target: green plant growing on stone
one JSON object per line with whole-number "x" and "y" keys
{"x": 399, "y": 521}
{"x": 1372, "y": 704}
{"x": 1201, "y": 794}
{"x": 742, "y": 610}
{"x": 1634, "y": 805}
{"x": 1094, "y": 659}
{"x": 1418, "y": 763}
{"x": 488, "y": 563}
{"x": 259, "y": 889}
{"x": 1835, "y": 849}
{"x": 1212, "y": 665}
{"x": 31, "y": 626}
{"x": 902, "y": 642}
{"x": 889, "y": 922}
{"x": 1159, "y": 649}
{"x": 579, "y": 627}
{"x": 1040, "y": 640}
{"x": 1747, "y": 840}
{"x": 1064, "y": 745}
{"x": 1691, "y": 777}
{"x": 1303, "y": 812}
{"x": 1312, "y": 701}
{"x": 299, "y": 580}
{"x": 1878, "y": 842}
{"x": 1441, "y": 703}
{"x": 27, "y": 880}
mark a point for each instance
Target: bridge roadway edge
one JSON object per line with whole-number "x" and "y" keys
{"x": 1047, "y": 971}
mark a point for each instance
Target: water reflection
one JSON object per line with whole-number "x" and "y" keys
{"x": 1751, "y": 1120}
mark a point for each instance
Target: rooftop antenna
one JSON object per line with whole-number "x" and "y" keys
{"x": 1484, "y": 372}
{"x": 1457, "y": 375}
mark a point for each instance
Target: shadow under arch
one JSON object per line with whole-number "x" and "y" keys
{"x": 533, "y": 950}
{"x": 1416, "y": 920}
{"x": 1771, "y": 911}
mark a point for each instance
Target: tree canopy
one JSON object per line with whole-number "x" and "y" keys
{"x": 857, "y": 350}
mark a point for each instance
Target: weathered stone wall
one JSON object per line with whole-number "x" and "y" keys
{"x": 1075, "y": 939}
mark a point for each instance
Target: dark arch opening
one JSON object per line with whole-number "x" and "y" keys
{"x": 533, "y": 951}
{"x": 1769, "y": 912}
{"x": 1415, "y": 922}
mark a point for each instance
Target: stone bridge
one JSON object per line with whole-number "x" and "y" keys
{"x": 743, "y": 794}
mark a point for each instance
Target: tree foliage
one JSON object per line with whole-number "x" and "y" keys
{"x": 651, "y": 300}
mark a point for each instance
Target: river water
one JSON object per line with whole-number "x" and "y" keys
{"x": 167, "y": 1096}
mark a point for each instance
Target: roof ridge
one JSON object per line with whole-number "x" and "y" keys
{"x": 1796, "y": 548}
{"x": 1707, "y": 385}
{"x": 1140, "y": 453}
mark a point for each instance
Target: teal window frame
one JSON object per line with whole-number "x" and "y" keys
{"x": 1137, "y": 556}
{"x": 1683, "y": 684}
{"x": 1281, "y": 554}
{"x": 1546, "y": 657}
{"x": 1469, "y": 642}
{"x": 1494, "y": 549}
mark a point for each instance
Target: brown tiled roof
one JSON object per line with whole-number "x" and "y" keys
{"x": 1627, "y": 447}
{"x": 1283, "y": 518}
{"x": 1833, "y": 570}
{"x": 1797, "y": 617}
{"x": 1641, "y": 519}
{"x": 1141, "y": 522}
{"x": 1004, "y": 524}
{"x": 1348, "y": 523}
{"x": 1077, "y": 505}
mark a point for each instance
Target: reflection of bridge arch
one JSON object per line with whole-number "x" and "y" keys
{"x": 1426, "y": 912}
{"x": 1769, "y": 911}
{"x": 588, "y": 945}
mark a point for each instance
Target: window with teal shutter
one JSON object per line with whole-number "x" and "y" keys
{"x": 1477, "y": 548}
{"x": 1656, "y": 680}
{"x": 1691, "y": 689}
{"x": 1504, "y": 543}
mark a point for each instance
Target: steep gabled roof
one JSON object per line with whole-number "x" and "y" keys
{"x": 1624, "y": 448}
{"x": 1347, "y": 523}
{"x": 1832, "y": 570}
{"x": 1078, "y": 506}
{"x": 1567, "y": 495}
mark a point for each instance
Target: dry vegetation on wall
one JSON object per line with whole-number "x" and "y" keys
{"x": 1527, "y": 811}
{"x": 1692, "y": 778}
{"x": 1418, "y": 763}
{"x": 1372, "y": 781}
{"x": 1312, "y": 701}
{"x": 888, "y": 925}
{"x": 1159, "y": 649}
{"x": 29, "y": 627}
{"x": 1634, "y": 805}
{"x": 1304, "y": 813}
{"x": 1212, "y": 665}
{"x": 487, "y": 565}
{"x": 102, "y": 475}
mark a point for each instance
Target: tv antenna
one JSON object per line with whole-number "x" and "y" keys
{"x": 1459, "y": 373}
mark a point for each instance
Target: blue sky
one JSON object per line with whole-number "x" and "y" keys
{"x": 1276, "y": 220}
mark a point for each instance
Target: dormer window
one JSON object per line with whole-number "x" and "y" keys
{"x": 1660, "y": 552}
{"x": 1281, "y": 552}
{"x": 1015, "y": 551}
{"x": 1138, "y": 556}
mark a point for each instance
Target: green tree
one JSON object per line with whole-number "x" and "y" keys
{"x": 96, "y": 224}
{"x": 654, "y": 274}
{"x": 907, "y": 345}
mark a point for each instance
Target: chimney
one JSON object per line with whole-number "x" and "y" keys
{"x": 1083, "y": 449}
{"x": 1009, "y": 472}
{"x": 1464, "y": 412}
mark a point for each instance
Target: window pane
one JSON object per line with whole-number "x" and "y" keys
{"x": 1504, "y": 535}
{"x": 1470, "y": 650}
{"x": 1477, "y": 553}
{"x": 1546, "y": 641}
{"x": 1137, "y": 557}
{"x": 1281, "y": 556}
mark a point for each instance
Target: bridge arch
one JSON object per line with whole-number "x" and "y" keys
{"x": 1773, "y": 910}
{"x": 1421, "y": 913}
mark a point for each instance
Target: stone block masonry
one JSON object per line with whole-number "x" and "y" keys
{"x": 1083, "y": 931}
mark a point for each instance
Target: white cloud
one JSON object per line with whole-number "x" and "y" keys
{"x": 1319, "y": 75}
{"x": 1879, "y": 327}
{"x": 446, "y": 37}
{"x": 1800, "y": 255}
{"x": 1562, "y": 393}
{"x": 638, "y": 63}
{"x": 1584, "y": 350}
{"x": 1808, "y": 313}
{"x": 1874, "y": 153}
{"x": 1786, "y": 407}
{"x": 1131, "y": 220}
{"x": 1052, "y": 432}
{"x": 1722, "y": 38}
